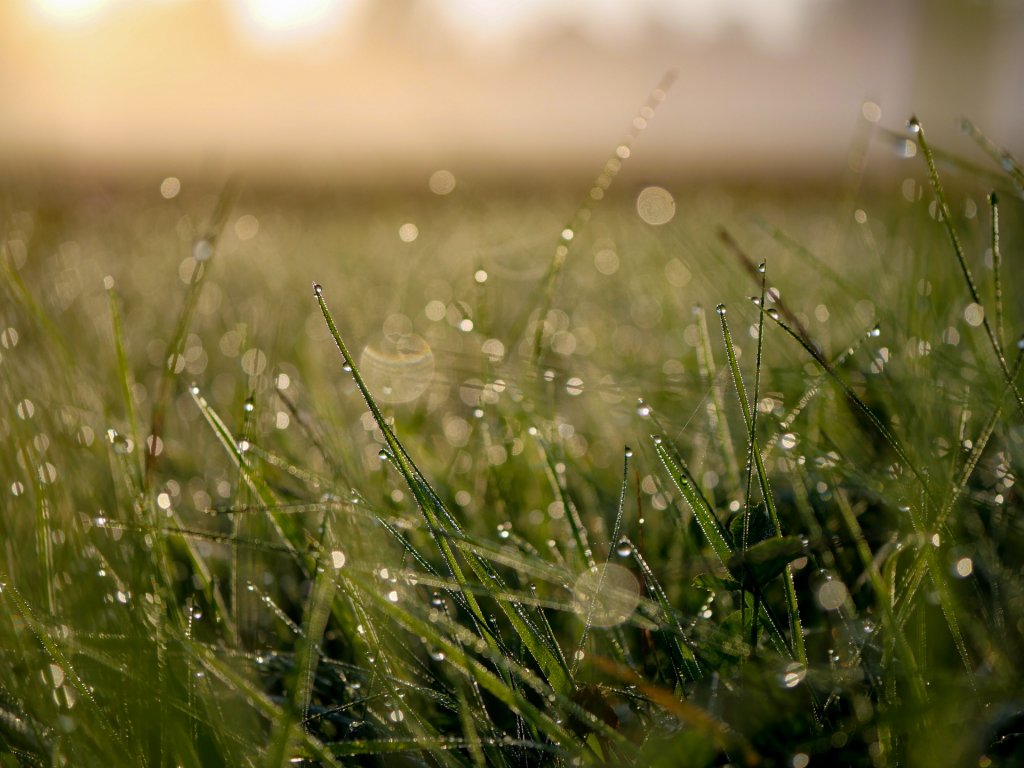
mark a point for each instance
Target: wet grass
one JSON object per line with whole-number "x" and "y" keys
{"x": 288, "y": 481}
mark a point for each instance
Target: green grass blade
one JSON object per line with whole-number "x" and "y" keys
{"x": 947, "y": 220}
{"x": 796, "y": 629}
{"x": 206, "y": 247}
{"x": 707, "y": 520}
{"x": 1002, "y": 156}
{"x": 584, "y": 212}
{"x": 883, "y": 599}
{"x": 434, "y": 511}
{"x": 997, "y": 262}
{"x": 125, "y": 379}
{"x": 716, "y": 405}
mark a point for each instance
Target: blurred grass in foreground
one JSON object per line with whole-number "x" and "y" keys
{"x": 216, "y": 552}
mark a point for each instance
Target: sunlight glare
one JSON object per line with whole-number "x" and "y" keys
{"x": 71, "y": 10}
{"x": 290, "y": 18}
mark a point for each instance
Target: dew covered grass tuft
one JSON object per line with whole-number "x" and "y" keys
{"x": 468, "y": 478}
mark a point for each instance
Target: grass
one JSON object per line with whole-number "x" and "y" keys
{"x": 544, "y": 509}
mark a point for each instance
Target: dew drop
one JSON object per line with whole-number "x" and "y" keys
{"x": 346, "y": 368}
{"x": 248, "y": 406}
{"x": 195, "y": 389}
{"x": 914, "y": 125}
{"x": 643, "y": 410}
{"x": 756, "y": 300}
{"x": 720, "y": 309}
{"x": 773, "y": 313}
{"x": 657, "y": 439}
{"x": 202, "y": 250}
{"x": 629, "y": 452}
{"x": 317, "y": 289}
{"x": 625, "y": 549}
{"x": 383, "y": 455}
{"x": 761, "y": 267}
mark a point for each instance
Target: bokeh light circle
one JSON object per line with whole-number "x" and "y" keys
{"x": 442, "y": 182}
{"x": 397, "y": 368}
{"x": 618, "y": 597}
{"x": 831, "y": 595}
{"x": 656, "y": 206}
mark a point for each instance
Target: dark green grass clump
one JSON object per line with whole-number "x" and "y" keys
{"x": 552, "y": 513}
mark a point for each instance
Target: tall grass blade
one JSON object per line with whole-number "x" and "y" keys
{"x": 434, "y": 512}
{"x": 716, "y": 405}
{"x": 947, "y": 220}
{"x": 796, "y": 630}
{"x": 126, "y": 380}
{"x": 584, "y": 212}
{"x": 203, "y": 252}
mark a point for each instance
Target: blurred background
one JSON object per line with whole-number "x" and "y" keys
{"x": 379, "y": 92}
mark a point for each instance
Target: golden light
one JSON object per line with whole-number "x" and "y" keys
{"x": 276, "y": 19}
{"x": 71, "y": 10}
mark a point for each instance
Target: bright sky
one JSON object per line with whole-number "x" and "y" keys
{"x": 775, "y": 23}
{"x": 339, "y": 87}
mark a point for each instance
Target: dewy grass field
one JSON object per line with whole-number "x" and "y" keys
{"x": 547, "y": 507}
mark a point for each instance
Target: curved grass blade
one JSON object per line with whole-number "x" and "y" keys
{"x": 852, "y": 396}
{"x": 796, "y": 630}
{"x": 584, "y": 212}
{"x": 716, "y": 406}
{"x": 707, "y": 519}
{"x": 59, "y": 659}
{"x": 125, "y": 379}
{"x": 882, "y": 596}
{"x": 1001, "y": 155}
{"x": 947, "y": 220}
{"x": 604, "y": 570}
{"x": 682, "y": 657}
{"x": 207, "y": 247}
{"x": 434, "y": 511}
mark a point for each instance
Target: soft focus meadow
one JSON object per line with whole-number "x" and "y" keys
{"x": 459, "y": 475}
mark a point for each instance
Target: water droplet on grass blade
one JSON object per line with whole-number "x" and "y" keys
{"x": 773, "y": 313}
{"x": 317, "y": 290}
{"x": 629, "y": 452}
{"x": 625, "y": 548}
{"x": 761, "y": 267}
{"x": 643, "y": 410}
{"x": 657, "y": 439}
{"x": 720, "y": 309}
{"x": 202, "y": 250}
